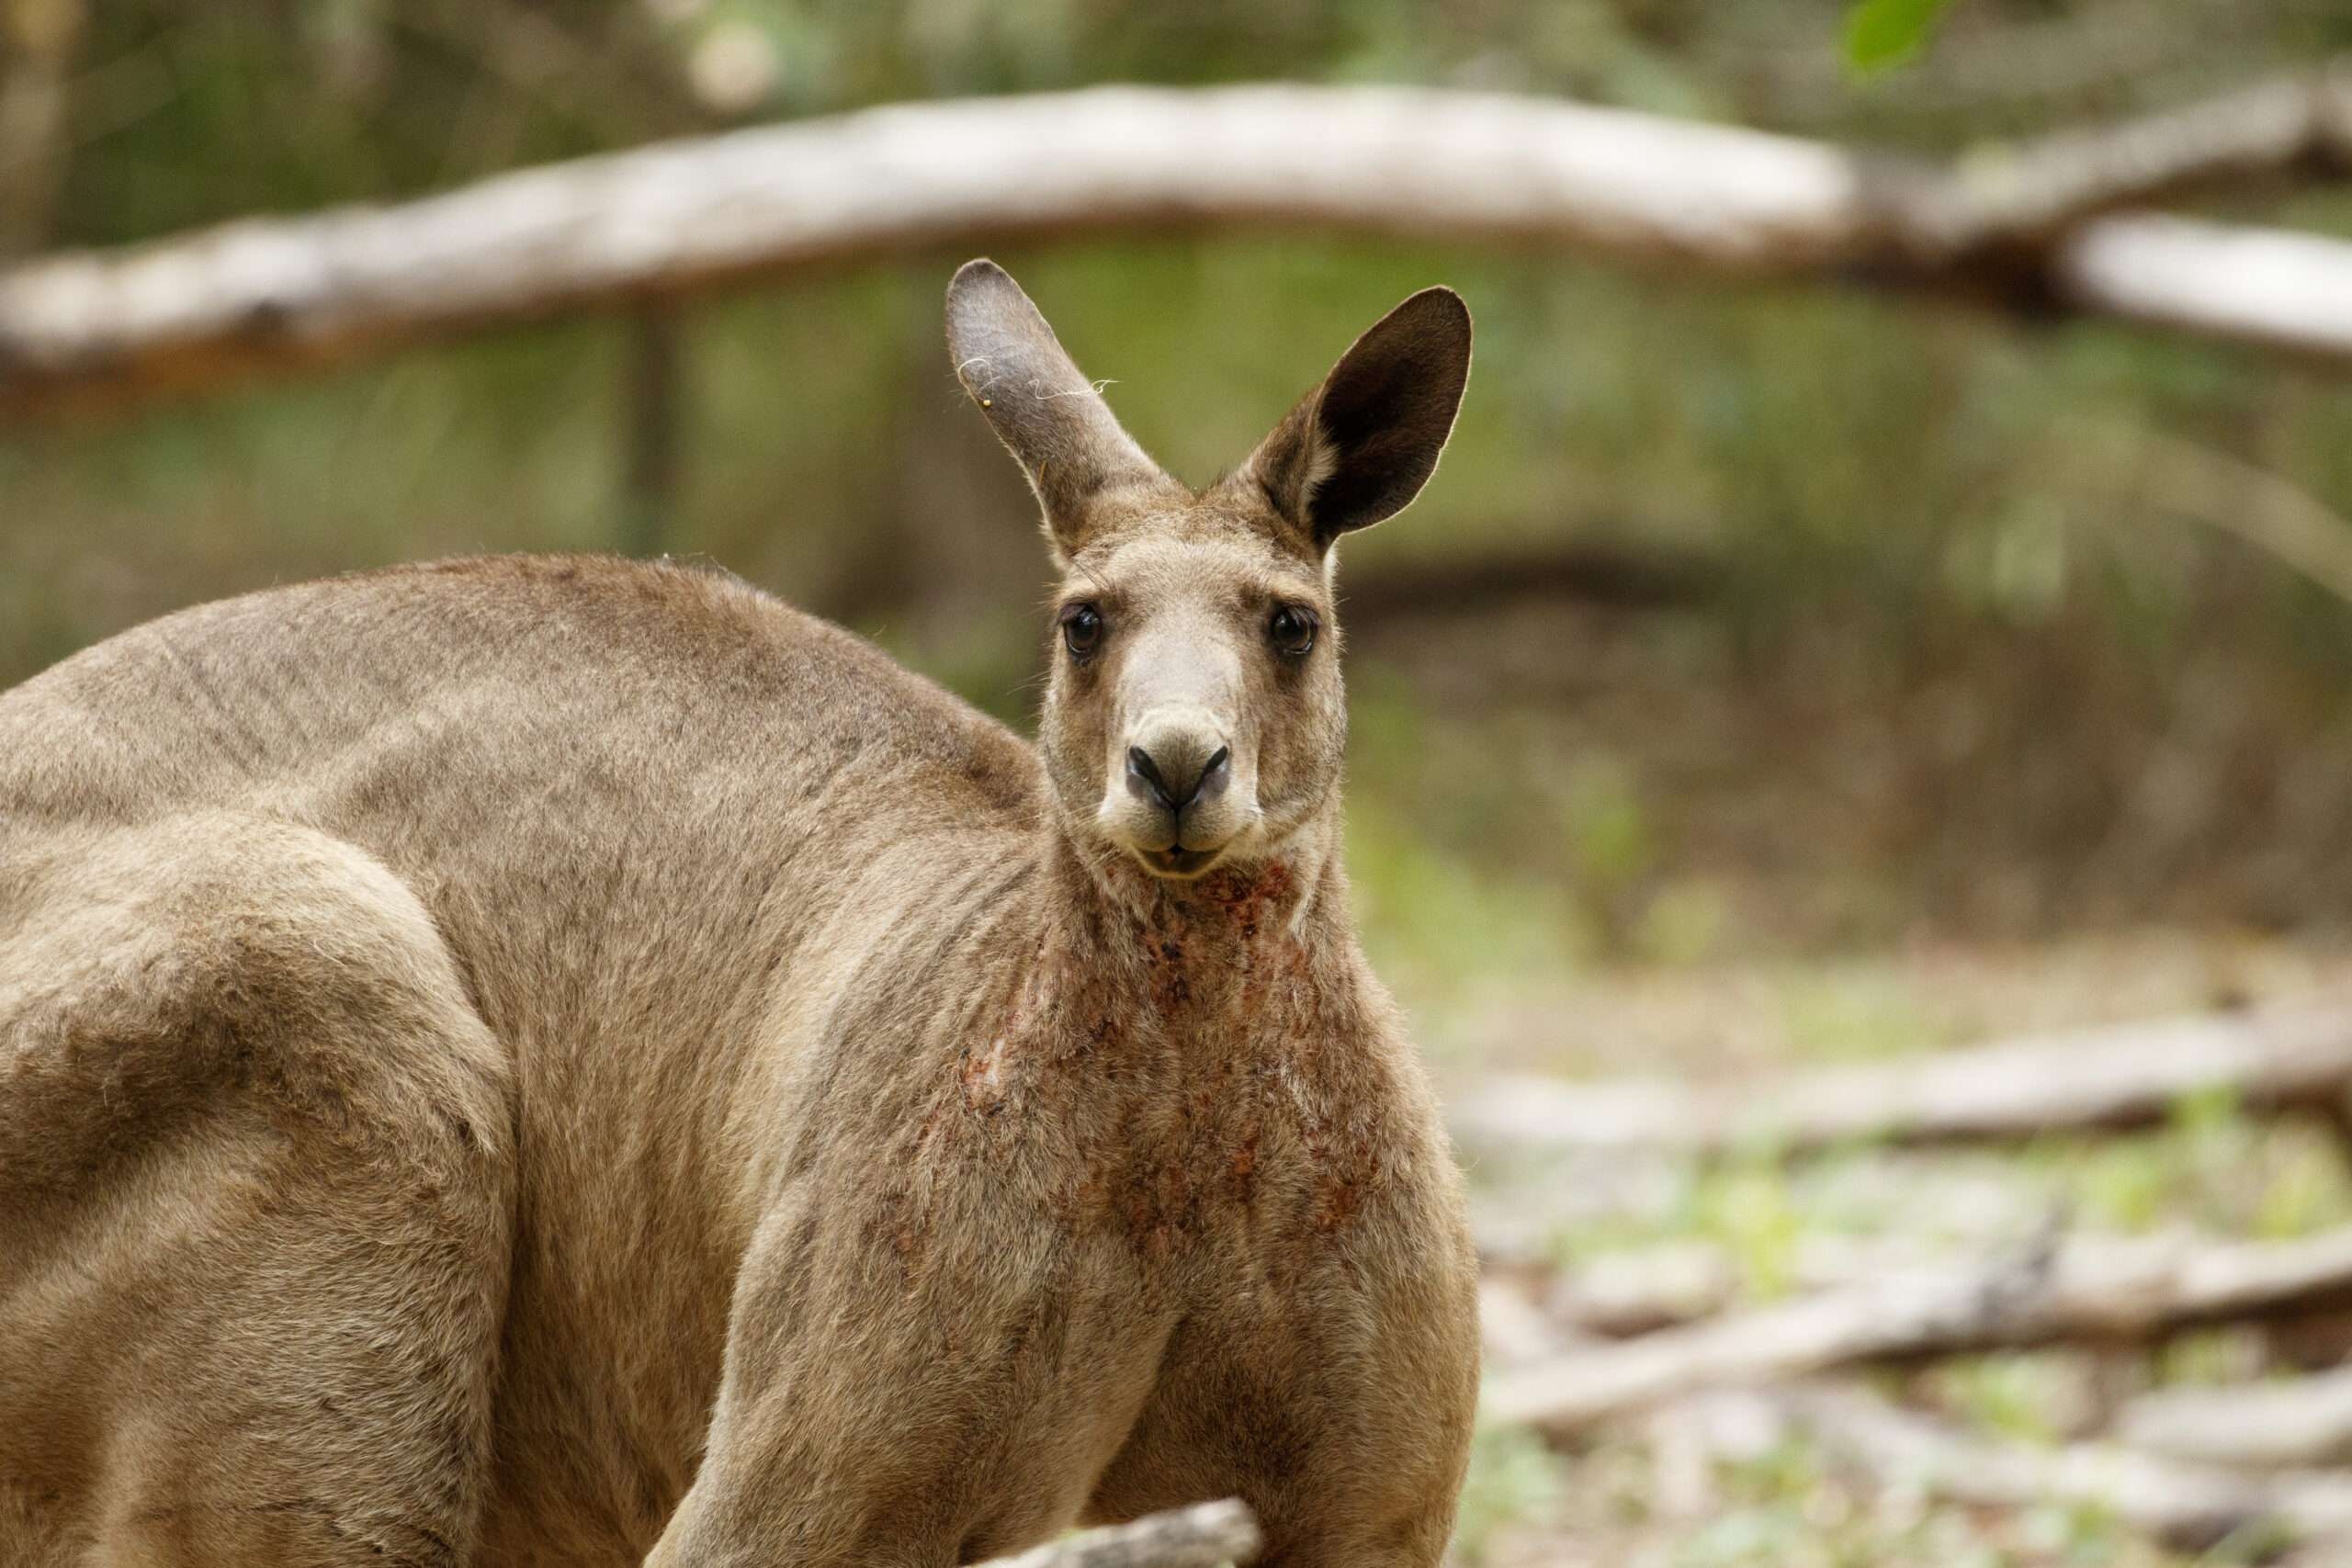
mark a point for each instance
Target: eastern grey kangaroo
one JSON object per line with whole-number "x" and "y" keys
{"x": 565, "y": 1061}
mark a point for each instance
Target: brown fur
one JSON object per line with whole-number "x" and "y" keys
{"x": 552, "y": 1061}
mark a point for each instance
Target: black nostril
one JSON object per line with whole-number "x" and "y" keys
{"x": 1146, "y": 780}
{"x": 1142, "y": 770}
{"x": 1213, "y": 778}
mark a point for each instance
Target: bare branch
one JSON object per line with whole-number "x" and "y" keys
{"x": 1589, "y": 570}
{"x": 2184, "y": 1505}
{"x": 1202, "y": 1535}
{"x": 198, "y": 310}
{"x": 2305, "y": 1421}
{"x": 2099, "y": 1077}
{"x": 2110, "y": 1291}
{"x": 2026, "y": 193}
{"x": 2267, "y": 286}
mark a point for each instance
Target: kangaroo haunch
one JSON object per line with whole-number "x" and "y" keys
{"x": 519, "y": 1061}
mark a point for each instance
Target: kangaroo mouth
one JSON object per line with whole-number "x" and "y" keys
{"x": 1177, "y": 860}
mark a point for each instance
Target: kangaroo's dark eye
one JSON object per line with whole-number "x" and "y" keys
{"x": 1081, "y": 629}
{"x": 1292, "y": 630}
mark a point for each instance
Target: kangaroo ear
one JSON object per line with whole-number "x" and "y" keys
{"x": 1360, "y": 446}
{"x": 1050, "y": 417}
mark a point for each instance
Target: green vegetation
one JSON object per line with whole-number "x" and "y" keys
{"x": 1881, "y": 33}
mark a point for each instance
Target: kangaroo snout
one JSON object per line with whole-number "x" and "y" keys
{"x": 1175, "y": 775}
{"x": 1174, "y": 797}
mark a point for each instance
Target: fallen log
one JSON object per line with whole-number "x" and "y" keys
{"x": 2123, "y": 1075}
{"x": 2024, "y": 223}
{"x": 1616, "y": 574}
{"x": 2186, "y": 1506}
{"x": 2302, "y": 1421}
{"x": 1202, "y": 1535}
{"x": 2112, "y": 1292}
{"x": 1624, "y": 1294}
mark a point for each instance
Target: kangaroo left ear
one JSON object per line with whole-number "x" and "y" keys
{"x": 1049, "y": 415}
{"x": 1359, "y": 447}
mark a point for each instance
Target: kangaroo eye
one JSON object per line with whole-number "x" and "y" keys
{"x": 1292, "y": 630}
{"x": 1081, "y": 629}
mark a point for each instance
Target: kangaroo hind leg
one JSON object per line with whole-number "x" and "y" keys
{"x": 255, "y": 1201}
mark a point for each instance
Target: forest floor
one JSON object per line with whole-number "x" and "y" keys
{"x": 1636, "y": 1493}
{"x": 1719, "y": 878}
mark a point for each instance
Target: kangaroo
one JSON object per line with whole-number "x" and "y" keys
{"x": 564, "y": 1061}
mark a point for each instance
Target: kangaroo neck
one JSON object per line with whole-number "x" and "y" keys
{"x": 1210, "y": 952}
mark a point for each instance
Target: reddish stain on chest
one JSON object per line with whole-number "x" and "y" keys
{"x": 1254, "y": 901}
{"x": 1222, "y": 1096}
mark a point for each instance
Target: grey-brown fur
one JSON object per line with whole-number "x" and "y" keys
{"x": 550, "y": 1061}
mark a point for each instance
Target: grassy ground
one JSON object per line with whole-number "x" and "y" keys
{"x": 1600, "y": 845}
{"x": 1627, "y": 1497}
{"x": 1630, "y": 1496}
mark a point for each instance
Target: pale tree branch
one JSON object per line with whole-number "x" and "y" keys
{"x": 2300, "y": 1421}
{"x": 195, "y": 310}
{"x": 2118, "y": 1076}
{"x": 2024, "y": 193}
{"x": 2271, "y": 287}
{"x": 1206, "y": 1535}
{"x": 2185, "y": 1504}
{"x": 2109, "y": 1291}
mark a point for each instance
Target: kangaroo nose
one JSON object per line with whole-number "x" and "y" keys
{"x": 1179, "y": 775}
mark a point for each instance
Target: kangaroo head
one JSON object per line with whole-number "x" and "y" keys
{"x": 1195, "y": 713}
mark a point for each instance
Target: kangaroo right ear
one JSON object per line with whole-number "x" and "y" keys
{"x": 1359, "y": 447}
{"x": 1049, "y": 417}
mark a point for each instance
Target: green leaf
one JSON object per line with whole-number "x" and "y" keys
{"x": 1884, "y": 33}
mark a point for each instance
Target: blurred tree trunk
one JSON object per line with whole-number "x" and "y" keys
{"x": 650, "y": 398}
{"x": 38, "y": 42}
{"x": 949, "y": 534}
